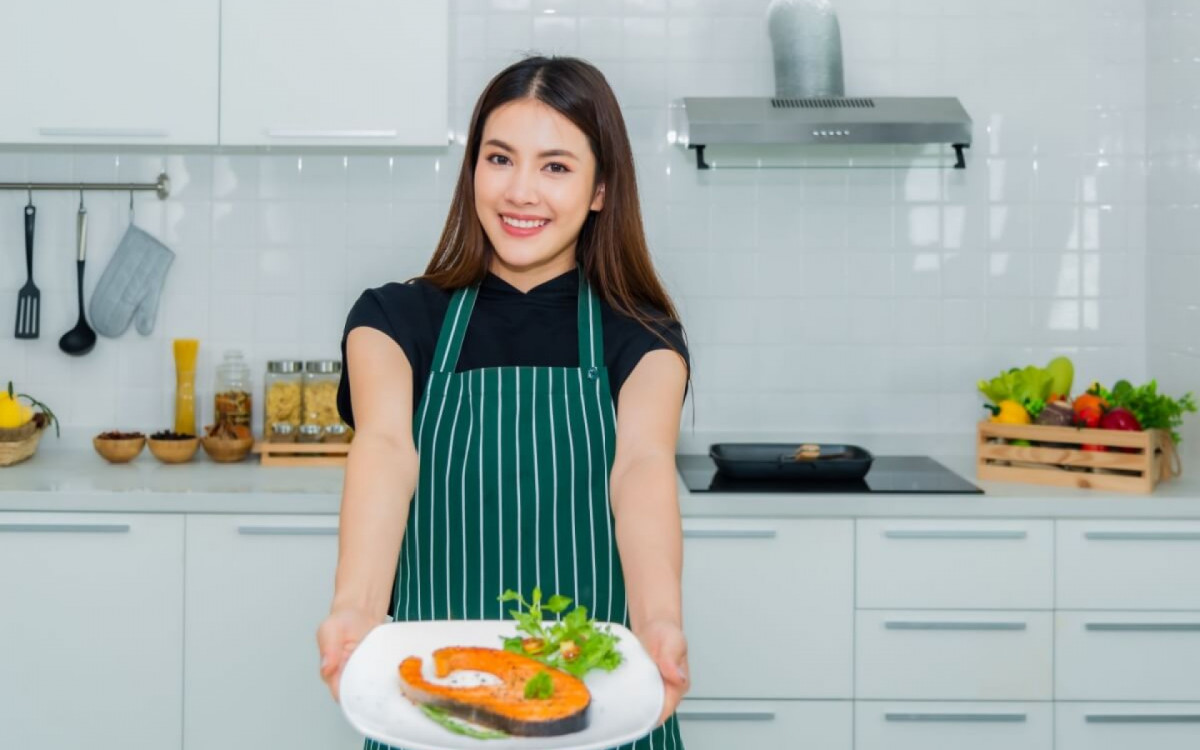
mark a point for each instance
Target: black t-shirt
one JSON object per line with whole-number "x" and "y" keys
{"x": 508, "y": 328}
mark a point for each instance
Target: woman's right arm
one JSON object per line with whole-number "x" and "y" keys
{"x": 381, "y": 475}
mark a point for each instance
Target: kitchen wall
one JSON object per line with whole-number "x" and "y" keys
{"x": 817, "y": 301}
{"x": 1173, "y": 198}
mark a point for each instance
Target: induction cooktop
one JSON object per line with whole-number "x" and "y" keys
{"x": 889, "y": 474}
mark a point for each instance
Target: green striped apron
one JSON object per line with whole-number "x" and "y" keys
{"x": 513, "y": 488}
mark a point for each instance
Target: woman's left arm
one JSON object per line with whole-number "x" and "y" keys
{"x": 645, "y": 505}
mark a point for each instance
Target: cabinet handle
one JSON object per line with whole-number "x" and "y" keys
{"x": 1141, "y": 718}
{"x": 923, "y": 625}
{"x": 66, "y": 528}
{"x": 295, "y": 133}
{"x": 288, "y": 530}
{"x": 948, "y": 534}
{"x": 725, "y": 715}
{"x": 1145, "y": 627}
{"x": 953, "y": 717}
{"x": 1157, "y": 536}
{"x": 729, "y": 533}
{"x": 104, "y": 132}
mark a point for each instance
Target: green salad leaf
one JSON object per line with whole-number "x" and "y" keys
{"x": 571, "y": 642}
{"x": 1152, "y": 409}
{"x": 540, "y": 686}
{"x": 460, "y": 727}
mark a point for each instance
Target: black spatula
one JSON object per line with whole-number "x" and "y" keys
{"x": 29, "y": 300}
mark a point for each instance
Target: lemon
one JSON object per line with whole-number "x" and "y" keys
{"x": 13, "y": 414}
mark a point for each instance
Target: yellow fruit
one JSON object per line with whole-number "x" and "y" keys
{"x": 1011, "y": 412}
{"x": 13, "y": 414}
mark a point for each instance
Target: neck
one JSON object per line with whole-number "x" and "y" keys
{"x": 525, "y": 278}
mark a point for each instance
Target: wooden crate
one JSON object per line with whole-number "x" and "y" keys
{"x": 302, "y": 454}
{"x": 1133, "y": 461}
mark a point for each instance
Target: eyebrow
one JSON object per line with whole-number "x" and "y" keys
{"x": 552, "y": 152}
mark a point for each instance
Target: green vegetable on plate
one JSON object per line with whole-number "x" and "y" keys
{"x": 570, "y": 642}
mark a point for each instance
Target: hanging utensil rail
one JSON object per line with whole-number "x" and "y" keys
{"x": 162, "y": 187}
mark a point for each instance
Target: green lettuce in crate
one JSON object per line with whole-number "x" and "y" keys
{"x": 1029, "y": 387}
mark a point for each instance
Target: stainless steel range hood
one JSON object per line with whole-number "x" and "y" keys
{"x": 712, "y": 121}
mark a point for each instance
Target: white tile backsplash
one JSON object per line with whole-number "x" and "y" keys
{"x": 817, "y": 299}
{"x": 1172, "y": 220}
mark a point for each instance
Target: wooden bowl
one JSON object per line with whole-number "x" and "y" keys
{"x": 119, "y": 451}
{"x": 174, "y": 451}
{"x": 226, "y": 450}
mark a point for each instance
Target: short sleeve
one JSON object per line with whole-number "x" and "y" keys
{"x": 639, "y": 341}
{"x": 372, "y": 311}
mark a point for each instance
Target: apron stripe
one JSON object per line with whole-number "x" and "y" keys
{"x": 463, "y": 483}
{"x": 513, "y": 489}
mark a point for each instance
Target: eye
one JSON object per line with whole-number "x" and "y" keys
{"x": 500, "y": 159}
{"x": 557, "y": 167}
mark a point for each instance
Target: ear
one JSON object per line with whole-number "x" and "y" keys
{"x": 598, "y": 198}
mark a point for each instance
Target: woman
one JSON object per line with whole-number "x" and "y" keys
{"x": 516, "y": 408}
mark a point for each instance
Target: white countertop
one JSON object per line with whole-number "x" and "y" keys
{"x": 80, "y": 481}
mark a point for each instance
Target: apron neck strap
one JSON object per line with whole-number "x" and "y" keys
{"x": 454, "y": 328}
{"x": 591, "y": 334}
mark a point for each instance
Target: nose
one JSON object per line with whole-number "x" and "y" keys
{"x": 522, "y": 187}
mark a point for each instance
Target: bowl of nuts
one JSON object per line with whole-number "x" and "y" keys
{"x": 119, "y": 447}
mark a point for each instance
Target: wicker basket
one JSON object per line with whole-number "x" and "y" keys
{"x": 20, "y": 443}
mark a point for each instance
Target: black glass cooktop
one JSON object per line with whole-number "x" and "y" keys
{"x": 889, "y": 474}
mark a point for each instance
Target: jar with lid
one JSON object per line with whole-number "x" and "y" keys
{"x": 320, "y": 392}
{"x": 282, "y": 393}
{"x": 232, "y": 401}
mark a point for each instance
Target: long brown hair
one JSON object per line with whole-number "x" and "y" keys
{"x": 611, "y": 248}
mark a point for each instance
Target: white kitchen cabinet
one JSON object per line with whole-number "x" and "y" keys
{"x": 955, "y": 564}
{"x": 137, "y": 71}
{"x": 352, "y": 73}
{"x": 1150, "y": 656}
{"x": 958, "y": 655}
{"x": 257, "y": 588}
{"x": 1121, "y": 726}
{"x": 1128, "y": 564}
{"x": 92, "y": 630}
{"x": 953, "y": 726}
{"x": 721, "y": 725}
{"x": 768, "y": 607}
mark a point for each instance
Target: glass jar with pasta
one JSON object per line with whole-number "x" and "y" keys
{"x": 320, "y": 392}
{"x": 281, "y": 393}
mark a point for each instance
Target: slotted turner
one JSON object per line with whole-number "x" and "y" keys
{"x": 29, "y": 300}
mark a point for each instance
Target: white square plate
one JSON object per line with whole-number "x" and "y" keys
{"x": 625, "y": 702}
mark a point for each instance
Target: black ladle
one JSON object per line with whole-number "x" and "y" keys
{"x": 80, "y": 339}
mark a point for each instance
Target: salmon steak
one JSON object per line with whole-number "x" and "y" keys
{"x": 503, "y": 706}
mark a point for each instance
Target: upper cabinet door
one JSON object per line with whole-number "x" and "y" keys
{"x": 350, "y": 73}
{"x": 133, "y": 72}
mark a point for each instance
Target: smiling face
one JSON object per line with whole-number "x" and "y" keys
{"x": 535, "y": 182}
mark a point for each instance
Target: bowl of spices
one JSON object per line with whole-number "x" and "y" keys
{"x": 225, "y": 445}
{"x": 173, "y": 447}
{"x": 119, "y": 447}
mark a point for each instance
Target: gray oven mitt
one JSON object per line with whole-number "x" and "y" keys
{"x": 130, "y": 286}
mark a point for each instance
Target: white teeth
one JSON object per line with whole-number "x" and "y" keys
{"x": 522, "y": 224}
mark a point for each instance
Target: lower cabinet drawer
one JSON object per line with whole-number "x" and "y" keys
{"x": 952, "y": 726}
{"x": 724, "y": 725}
{"x": 1138, "y": 656}
{"x": 954, "y": 655}
{"x": 1121, "y": 726}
